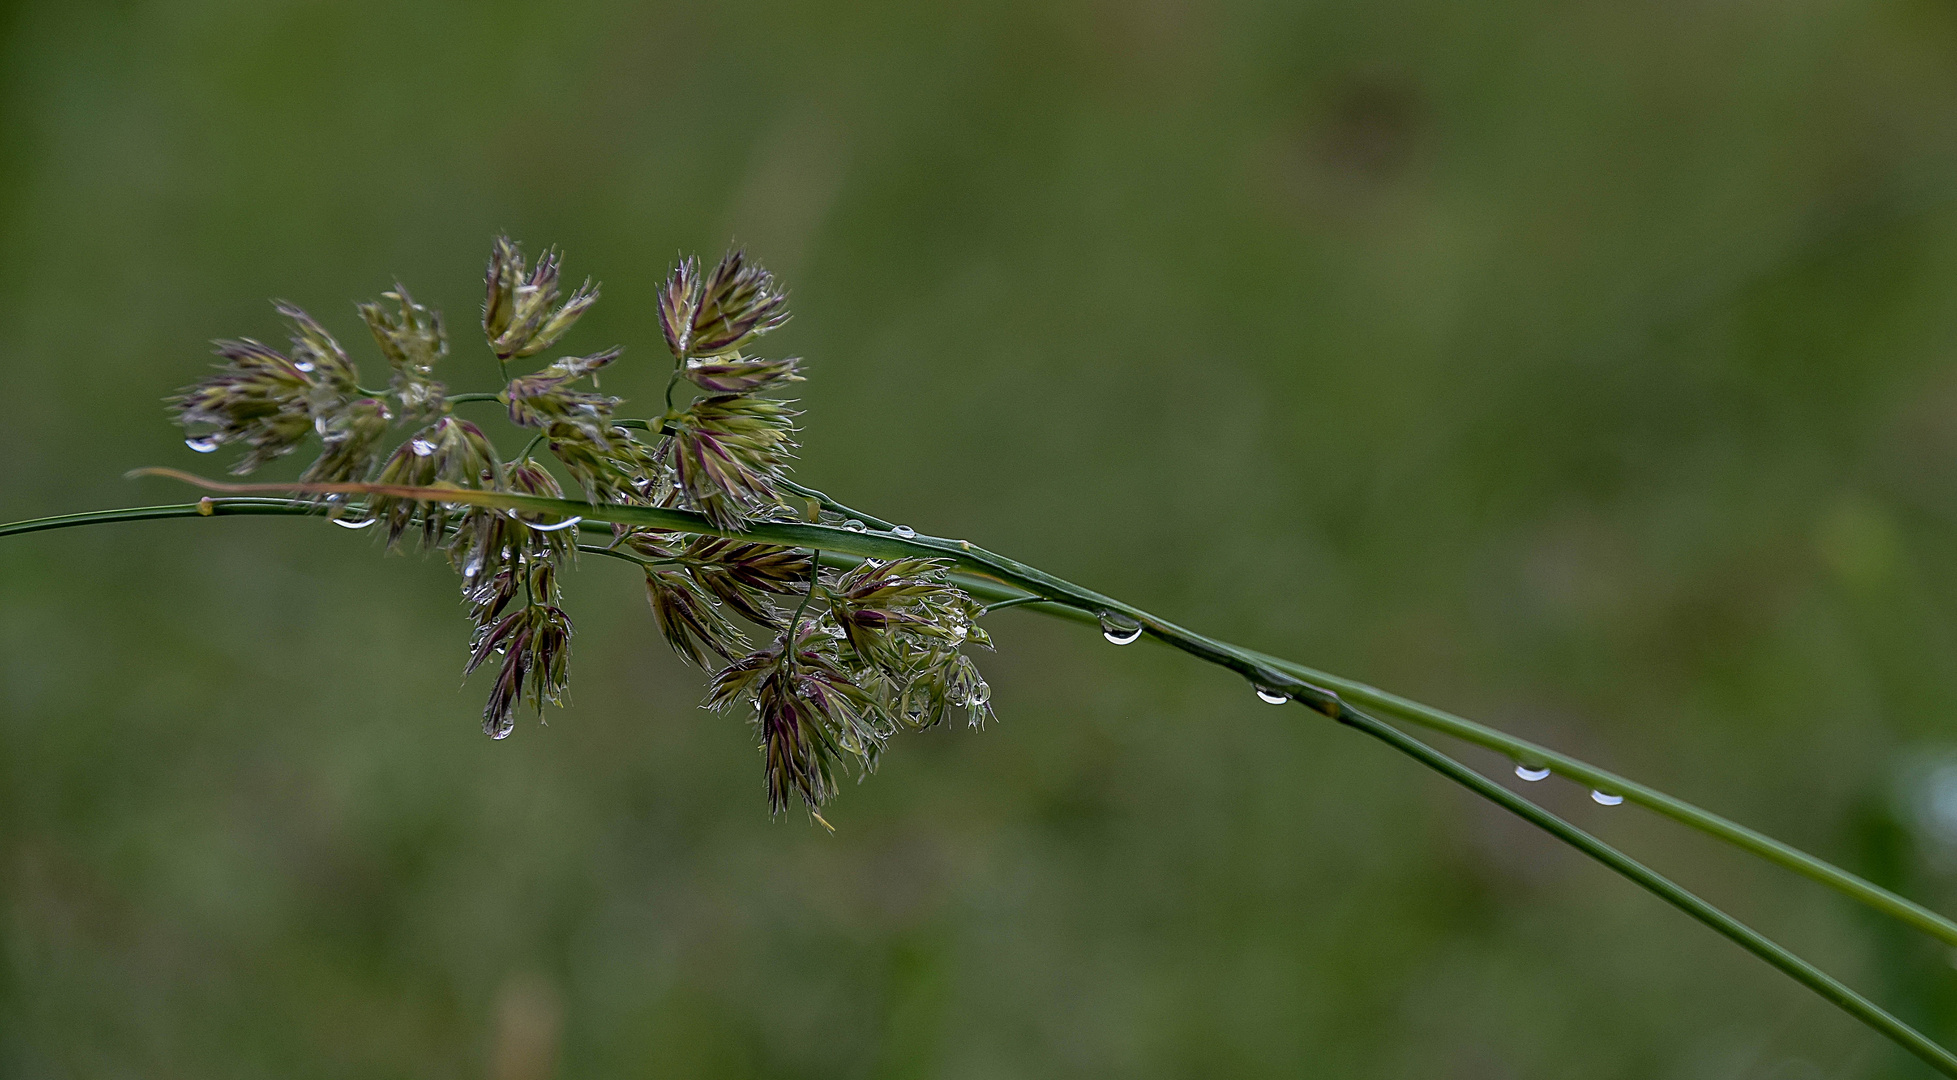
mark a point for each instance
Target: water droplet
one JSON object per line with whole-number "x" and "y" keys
{"x": 854, "y": 525}
{"x": 565, "y": 524}
{"x": 421, "y": 447}
{"x": 903, "y": 532}
{"x": 1605, "y": 799}
{"x": 1272, "y": 697}
{"x": 345, "y": 524}
{"x": 203, "y": 445}
{"x": 473, "y": 566}
{"x": 304, "y": 365}
{"x": 502, "y": 731}
{"x": 1119, "y": 629}
{"x": 1529, "y": 774}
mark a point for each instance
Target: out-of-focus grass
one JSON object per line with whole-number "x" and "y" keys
{"x": 1586, "y": 369}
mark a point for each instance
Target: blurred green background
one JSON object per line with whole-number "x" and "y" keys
{"x": 1589, "y": 369}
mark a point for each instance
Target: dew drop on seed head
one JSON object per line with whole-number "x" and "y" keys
{"x": 203, "y": 445}
{"x": 345, "y": 524}
{"x": 854, "y": 525}
{"x": 565, "y": 524}
{"x": 1272, "y": 697}
{"x": 422, "y": 447}
{"x": 304, "y": 365}
{"x": 1119, "y": 629}
{"x": 903, "y": 532}
{"x": 1605, "y": 799}
{"x": 1529, "y": 774}
{"x": 473, "y": 566}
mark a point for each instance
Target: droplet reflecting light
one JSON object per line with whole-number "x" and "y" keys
{"x": 903, "y": 532}
{"x": 202, "y": 445}
{"x": 345, "y": 524}
{"x": 1272, "y": 697}
{"x": 1529, "y": 774}
{"x": 1119, "y": 629}
{"x": 565, "y": 524}
{"x": 1602, "y": 798}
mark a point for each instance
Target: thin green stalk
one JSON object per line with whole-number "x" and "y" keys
{"x": 815, "y": 576}
{"x": 622, "y": 556}
{"x": 1013, "y": 602}
{"x": 1535, "y": 755}
{"x": 463, "y": 399}
{"x": 1868, "y": 1012}
{"x": 205, "y": 508}
{"x": 1044, "y": 592}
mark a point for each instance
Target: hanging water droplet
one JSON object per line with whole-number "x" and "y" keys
{"x": 565, "y": 524}
{"x": 1119, "y": 629}
{"x": 854, "y": 525}
{"x": 502, "y": 730}
{"x": 1272, "y": 697}
{"x": 473, "y": 566}
{"x": 345, "y": 524}
{"x": 304, "y": 365}
{"x": 903, "y": 532}
{"x": 203, "y": 444}
{"x": 1605, "y": 799}
{"x": 421, "y": 447}
{"x": 1529, "y": 774}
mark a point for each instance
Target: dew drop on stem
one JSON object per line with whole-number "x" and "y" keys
{"x": 565, "y": 524}
{"x": 1604, "y": 798}
{"x": 345, "y": 524}
{"x": 1531, "y": 774}
{"x": 854, "y": 525}
{"x": 903, "y": 532}
{"x": 1119, "y": 629}
{"x": 1272, "y": 697}
{"x": 203, "y": 444}
{"x": 421, "y": 447}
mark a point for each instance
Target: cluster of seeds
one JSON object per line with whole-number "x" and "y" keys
{"x": 831, "y": 662}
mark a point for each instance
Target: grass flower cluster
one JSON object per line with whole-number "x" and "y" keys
{"x": 866, "y": 652}
{"x": 831, "y": 629}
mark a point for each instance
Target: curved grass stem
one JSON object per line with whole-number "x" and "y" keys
{"x": 1868, "y": 1012}
{"x": 993, "y": 577}
{"x": 1533, "y": 754}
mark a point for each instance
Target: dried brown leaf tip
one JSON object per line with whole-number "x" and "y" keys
{"x": 852, "y": 656}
